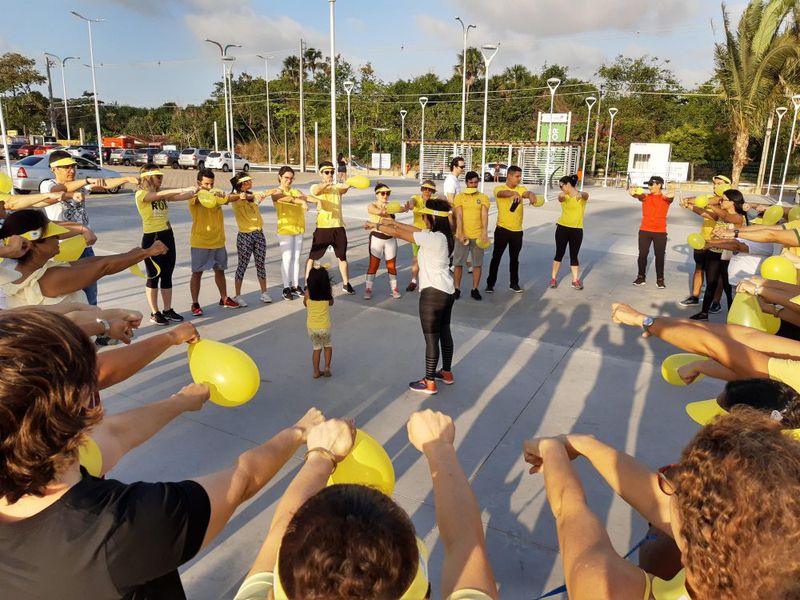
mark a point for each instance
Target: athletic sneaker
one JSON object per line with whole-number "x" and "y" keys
{"x": 171, "y": 315}
{"x": 298, "y": 291}
{"x": 240, "y": 301}
{"x": 701, "y": 316}
{"x": 690, "y": 301}
{"x": 715, "y": 308}
{"x": 367, "y": 293}
{"x": 348, "y": 289}
{"x": 103, "y": 340}
{"x": 515, "y": 288}
{"x": 660, "y": 284}
{"x": 266, "y": 298}
{"x": 424, "y": 387}
{"x": 196, "y": 310}
{"x": 469, "y": 269}
{"x": 411, "y": 286}
{"x": 287, "y": 294}
{"x": 640, "y": 280}
{"x": 458, "y": 294}
{"x": 445, "y": 377}
{"x": 476, "y": 295}
{"x": 396, "y": 293}
{"x": 158, "y": 319}
{"x": 228, "y": 303}
{"x": 489, "y": 289}
{"x": 553, "y": 284}
{"x": 577, "y": 284}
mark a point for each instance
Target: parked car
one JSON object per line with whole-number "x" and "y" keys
{"x": 167, "y": 157}
{"x": 222, "y": 160}
{"x": 193, "y": 158}
{"x": 25, "y": 150}
{"x": 46, "y": 149}
{"x": 12, "y": 151}
{"x": 122, "y": 156}
{"x": 354, "y": 164}
{"x": 83, "y": 152}
{"x": 488, "y": 175}
{"x": 29, "y": 172}
{"x": 145, "y": 155}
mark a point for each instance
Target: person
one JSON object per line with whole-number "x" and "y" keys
{"x": 73, "y": 209}
{"x": 250, "y": 240}
{"x": 380, "y": 244}
{"x": 291, "y": 205}
{"x": 207, "y": 244}
{"x": 728, "y": 215}
{"x": 97, "y": 538}
{"x": 452, "y": 188}
{"x": 41, "y": 280}
{"x": 747, "y": 257}
{"x": 569, "y": 229}
{"x": 471, "y": 209}
{"x": 508, "y": 231}
{"x": 437, "y": 295}
{"x": 732, "y": 543}
{"x": 341, "y": 168}
{"x": 318, "y": 300}
{"x": 417, "y": 204}
{"x": 330, "y": 231}
{"x": 153, "y": 205}
{"x": 653, "y": 228}
{"x": 352, "y": 541}
{"x": 497, "y": 173}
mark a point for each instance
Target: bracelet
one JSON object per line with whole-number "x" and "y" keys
{"x": 325, "y": 452}
{"x": 106, "y": 325}
{"x": 777, "y": 309}
{"x": 757, "y": 291}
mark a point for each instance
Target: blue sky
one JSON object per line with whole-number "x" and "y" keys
{"x": 152, "y": 51}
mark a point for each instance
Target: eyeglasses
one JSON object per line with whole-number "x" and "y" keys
{"x": 460, "y": 166}
{"x": 384, "y": 193}
{"x": 69, "y": 167}
{"x": 327, "y": 172}
{"x": 664, "y": 484}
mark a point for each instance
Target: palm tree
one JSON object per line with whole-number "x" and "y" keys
{"x": 475, "y": 67}
{"x": 291, "y": 69}
{"x": 312, "y": 60}
{"x": 513, "y": 78}
{"x": 751, "y": 63}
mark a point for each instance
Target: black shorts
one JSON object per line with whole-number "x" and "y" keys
{"x": 700, "y": 258}
{"x": 329, "y": 236}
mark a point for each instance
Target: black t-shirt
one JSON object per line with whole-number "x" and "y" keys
{"x": 105, "y": 540}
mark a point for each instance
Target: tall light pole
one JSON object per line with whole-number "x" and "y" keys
{"x": 403, "y": 114}
{"x": 552, "y": 85}
{"x": 227, "y": 62}
{"x": 796, "y": 102}
{"x": 488, "y": 51}
{"x": 590, "y": 103}
{"x": 348, "y": 87}
{"x": 600, "y": 96}
{"x": 5, "y": 138}
{"x": 64, "y": 86}
{"x": 781, "y": 110}
{"x": 269, "y": 134}
{"x": 423, "y": 101}
{"x": 94, "y": 85}
{"x": 302, "y": 111}
{"x": 613, "y": 113}
{"x": 466, "y": 29}
{"x": 223, "y": 52}
{"x": 333, "y": 78}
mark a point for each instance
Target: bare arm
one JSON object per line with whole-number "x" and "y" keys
{"x": 710, "y": 368}
{"x": 374, "y": 210}
{"x": 786, "y": 237}
{"x": 397, "y": 230}
{"x": 484, "y": 222}
{"x": 731, "y": 244}
{"x": 458, "y": 211}
{"x": 103, "y": 185}
{"x": 170, "y": 195}
{"x": 32, "y": 200}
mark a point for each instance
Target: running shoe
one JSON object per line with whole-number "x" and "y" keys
{"x": 266, "y": 298}
{"x": 476, "y": 295}
{"x": 640, "y": 280}
{"x": 445, "y": 377}
{"x": 396, "y": 293}
{"x": 577, "y": 284}
{"x": 367, "y": 293}
{"x": 158, "y": 319}
{"x": 515, "y": 288}
{"x": 690, "y": 301}
{"x": 228, "y": 303}
{"x": 660, "y": 284}
{"x": 171, "y": 315}
{"x": 298, "y": 291}
{"x": 423, "y": 386}
{"x": 348, "y": 289}
{"x": 715, "y": 308}
{"x": 701, "y": 316}
{"x": 489, "y": 289}
{"x": 469, "y": 268}
{"x": 196, "y": 310}
{"x": 411, "y": 286}
{"x": 553, "y": 284}
{"x": 457, "y": 294}
{"x": 239, "y": 300}
{"x": 287, "y": 294}
{"x": 102, "y": 340}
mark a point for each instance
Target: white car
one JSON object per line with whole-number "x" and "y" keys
{"x": 222, "y": 160}
{"x": 29, "y": 172}
{"x": 502, "y": 173}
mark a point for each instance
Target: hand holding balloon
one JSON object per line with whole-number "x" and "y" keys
{"x": 335, "y": 435}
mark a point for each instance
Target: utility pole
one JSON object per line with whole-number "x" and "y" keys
{"x": 50, "y": 110}
{"x": 302, "y": 117}
{"x": 601, "y": 95}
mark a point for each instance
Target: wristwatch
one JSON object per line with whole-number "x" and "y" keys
{"x": 105, "y": 324}
{"x": 735, "y": 233}
{"x": 647, "y": 323}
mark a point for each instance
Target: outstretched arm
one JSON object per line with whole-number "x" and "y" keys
{"x": 32, "y": 200}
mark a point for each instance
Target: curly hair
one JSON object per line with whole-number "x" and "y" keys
{"x": 48, "y": 376}
{"x": 738, "y": 495}
{"x": 348, "y": 542}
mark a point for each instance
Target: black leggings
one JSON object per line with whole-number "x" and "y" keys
{"x": 715, "y": 268}
{"x": 166, "y": 262}
{"x": 435, "y": 308}
{"x": 568, "y": 235}
{"x": 505, "y": 238}
{"x": 659, "y": 241}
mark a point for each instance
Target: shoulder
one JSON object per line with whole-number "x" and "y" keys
{"x": 484, "y": 199}
{"x": 500, "y": 188}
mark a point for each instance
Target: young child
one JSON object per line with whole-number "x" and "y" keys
{"x": 318, "y": 300}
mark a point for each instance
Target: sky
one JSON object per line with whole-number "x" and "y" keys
{"x": 149, "y": 52}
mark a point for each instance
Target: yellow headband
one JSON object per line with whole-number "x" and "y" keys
{"x": 245, "y": 178}
{"x": 435, "y": 213}
{"x": 49, "y": 230}
{"x": 383, "y": 188}
{"x": 153, "y": 173}
{"x": 723, "y": 178}
{"x": 428, "y": 186}
{"x": 64, "y": 162}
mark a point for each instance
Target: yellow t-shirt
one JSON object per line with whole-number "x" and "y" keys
{"x": 572, "y": 209}
{"x": 708, "y": 228}
{"x": 786, "y": 370}
{"x": 248, "y": 215}
{"x": 796, "y": 226}
{"x": 329, "y": 213}
{"x": 155, "y": 214}
{"x": 208, "y": 226}
{"x": 319, "y": 316}
{"x": 505, "y": 218}
{"x": 291, "y": 217}
{"x": 471, "y": 204}
{"x": 419, "y": 204}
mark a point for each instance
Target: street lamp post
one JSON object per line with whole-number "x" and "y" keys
{"x": 781, "y": 110}
{"x": 64, "y": 86}
{"x": 380, "y": 131}
{"x": 223, "y": 52}
{"x": 403, "y": 114}
{"x": 227, "y": 61}
{"x": 333, "y": 77}
{"x": 488, "y": 51}
{"x": 590, "y": 103}
{"x": 613, "y": 113}
{"x": 269, "y": 133}
{"x": 348, "y": 87}
{"x": 600, "y": 96}
{"x": 796, "y": 103}
{"x": 94, "y": 85}
{"x": 552, "y": 85}
{"x": 466, "y": 29}
{"x": 423, "y": 101}
{"x": 5, "y": 138}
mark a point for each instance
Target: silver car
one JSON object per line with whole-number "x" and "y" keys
{"x": 29, "y": 172}
{"x": 193, "y": 158}
{"x": 122, "y": 156}
{"x": 167, "y": 157}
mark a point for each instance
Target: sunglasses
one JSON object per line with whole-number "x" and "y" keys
{"x": 460, "y": 166}
{"x": 327, "y": 172}
{"x": 384, "y": 193}
{"x": 69, "y": 167}
{"x": 664, "y": 484}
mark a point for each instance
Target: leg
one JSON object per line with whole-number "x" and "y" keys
{"x": 286, "y": 245}
{"x": 477, "y": 264}
{"x": 152, "y": 298}
{"x": 575, "y": 241}
{"x": 328, "y": 357}
{"x": 501, "y": 238}
{"x": 375, "y": 245}
{"x": 244, "y": 248}
{"x": 431, "y": 305}
{"x": 315, "y": 356}
{"x": 660, "y": 250}
{"x": 562, "y": 239}
{"x": 514, "y": 248}
{"x": 712, "y": 270}
{"x": 194, "y": 286}
{"x": 297, "y": 251}
{"x": 166, "y": 297}
{"x": 167, "y": 264}
{"x": 260, "y": 254}
{"x": 222, "y": 286}
{"x": 726, "y": 286}
{"x": 390, "y": 254}
{"x": 445, "y": 337}
{"x": 644, "y": 250}
{"x": 91, "y": 290}
{"x": 460, "y": 254}
{"x": 457, "y": 276}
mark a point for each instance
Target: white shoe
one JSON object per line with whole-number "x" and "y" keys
{"x": 266, "y": 298}
{"x": 240, "y": 301}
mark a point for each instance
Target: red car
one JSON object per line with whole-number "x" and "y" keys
{"x": 44, "y": 149}
{"x": 26, "y": 150}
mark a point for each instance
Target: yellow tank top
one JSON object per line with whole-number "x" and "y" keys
{"x": 248, "y": 215}
{"x": 319, "y": 316}
{"x": 419, "y": 204}
{"x": 330, "y": 211}
{"x": 155, "y": 214}
{"x": 674, "y": 589}
{"x": 291, "y": 217}
{"x": 572, "y": 209}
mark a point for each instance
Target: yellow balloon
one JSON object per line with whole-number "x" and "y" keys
{"x": 696, "y": 241}
{"x": 539, "y": 202}
{"x": 479, "y": 243}
{"x": 207, "y": 198}
{"x": 746, "y": 311}
{"x": 367, "y": 464}
{"x": 779, "y": 268}
{"x": 701, "y": 201}
{"x": 70, "y": 249}
{"x": 794, "y": 213}
{"x": 230, "y": 373}
{"x": 137, "y": 270}
{"x": 91, "y": 458}
{"x": 772, "y": 215}
{"x": 394, "y": 207}
{"x": 639, "y": 190}
{"x": 360, "y": 182}
{"x": 671, "y": 364}
{"x": 6, "y": 183}
{"x": 757, "y": 221}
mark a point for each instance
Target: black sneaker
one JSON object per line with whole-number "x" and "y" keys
{"x": 715, "y": 307}
{"x": 457, "y": 294}
{"x": 102, "y": 340}
{"x": 660, "y": 284}
{"x": 298, "y": 291}
{"x": 171, "y": 315}
{"x": 476, "y": 295}
{"x": 348, "y": 289}
{"x": 515, "y": 288}
{"x": 287, "y": 294}
{"x": 640, "y": 280}
{"x": 690, "y": 301}
{"x": 701, "y": 316}
{"x": 489, "y": 289}
{"x": 158, "y": 318}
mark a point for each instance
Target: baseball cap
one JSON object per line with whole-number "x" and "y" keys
{"x": 723, "y": 178}
{"x": 655, "y": 179}
{"x": 49, "y": 230}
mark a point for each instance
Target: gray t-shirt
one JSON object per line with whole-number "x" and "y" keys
{"x": 66, "y": 210}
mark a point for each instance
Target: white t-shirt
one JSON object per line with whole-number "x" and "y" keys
{"x": 434, "y": 261}
{"x": 451, "y": 186}
{"x": 746, "y": 264}
{"x": 66, "y": 210}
